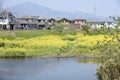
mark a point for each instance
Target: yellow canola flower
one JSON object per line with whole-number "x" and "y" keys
{"x": 45, "y": 41}
{"x": 89, "y": 40}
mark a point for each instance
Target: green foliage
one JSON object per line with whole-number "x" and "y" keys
{"x": 82, "y": 50}
{"x": 59, "y": 28}
{"x": 15, "y": 54}
{"x": 13, "y": 45}
{"x": 109, "y": 70}
{"x": 118, "y": 19}
{"x": 111, "y": 39}
{"x": 85, "y": 28}
{"x": 106, "y": 47}
{"x": 2, "y": 44}
{"x": 66, "y": 49}
{"x": 102, "y": 30}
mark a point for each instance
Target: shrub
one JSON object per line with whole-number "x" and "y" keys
{"x": 85, "y": 28}
{"x": 69, "y": 37}
{"x": 15, "y": 53}
{"x": 66, "y": 49}
{"x": 2, "y": 44}
{"x": 109, "y": 70}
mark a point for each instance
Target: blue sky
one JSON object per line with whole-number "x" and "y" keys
{"x": 102, "y": 7}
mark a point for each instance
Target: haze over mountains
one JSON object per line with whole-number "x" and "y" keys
{"x": 32, "y": 9}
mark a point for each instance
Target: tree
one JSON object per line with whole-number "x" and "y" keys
{"x": 110, "y": 70}
{"x": 85, "y": 28}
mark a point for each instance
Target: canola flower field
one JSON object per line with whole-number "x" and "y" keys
{"x": 45, "y": 43}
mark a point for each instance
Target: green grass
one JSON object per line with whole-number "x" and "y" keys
{"x": 32, "y": 33}
{"x": 24, "y": 34}
{"x": 9, "y": 37}
{"x": 27, "y": 34}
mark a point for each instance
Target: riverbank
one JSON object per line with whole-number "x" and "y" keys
{"x": 48, "y": 44}
{"x": 56, "y": 56}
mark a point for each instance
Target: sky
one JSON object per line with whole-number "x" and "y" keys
{"x": 98, "y": 7}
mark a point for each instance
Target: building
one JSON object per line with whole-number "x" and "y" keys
{"x": 26, "y": 22}
{"x": 31, "y": 22}
{"x": 101, "y": 24}
{"x": 41, "y": 23}
{"x": 7, "y": 20}
{"x": 110, "y": 24}
{"x": 64, "y": 21}
{"x": 79, "y": 21}
{"x": 51, "y": 21}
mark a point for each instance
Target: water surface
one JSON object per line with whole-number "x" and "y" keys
{"x": 47, "y": 69}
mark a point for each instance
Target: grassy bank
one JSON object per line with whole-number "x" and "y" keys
{"x": 47, "y": 43}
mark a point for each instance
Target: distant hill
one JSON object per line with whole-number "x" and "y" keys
{"x": 38, "y": 10}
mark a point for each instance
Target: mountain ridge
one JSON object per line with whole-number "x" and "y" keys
{"x": 33, "y": 9}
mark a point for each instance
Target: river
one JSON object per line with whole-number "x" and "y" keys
{"x": 48, "y": 69}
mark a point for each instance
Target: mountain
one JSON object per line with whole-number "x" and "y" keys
{"x": 33, "y": 9}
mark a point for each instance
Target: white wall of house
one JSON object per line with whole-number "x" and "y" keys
{"x": 112, "y": 25}
{"x": 4, "y": 21}
{"x": 96, "y": 26}
{"x": 79, "y": 22}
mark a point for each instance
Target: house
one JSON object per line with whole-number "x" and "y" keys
{"x": 41, "y": 23}
{"x": 110, "y": 24}
{"x": 64, "y": 21}
{"x": 101, "y": 24}
{"x": 51, "y": 21}
{"x": 95, "y": 24}
{"x": 31, "y": 22}
{"x": 79, "y": 21}
{"x": 26, "y": 22}
{"x": 7, "y": 20}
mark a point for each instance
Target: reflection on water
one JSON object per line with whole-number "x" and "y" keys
{"x": 92, "y": 60}
{"x": 48, "y": 69}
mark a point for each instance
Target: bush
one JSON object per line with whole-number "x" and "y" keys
{"x": 85, "y": 28}
{"x": 66, "y": 49}
{"x": 106, "y": 47}
{"x": 109, "y": 70}
{"x": 2, "y": 44}
{"x": 15, "y": 53}
{"x": 13, "y": 45}
{"x": 69, "y": 37}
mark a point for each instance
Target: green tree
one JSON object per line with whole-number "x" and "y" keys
{"x": 85, "y": 28}
{"x": 110, "y": 70}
